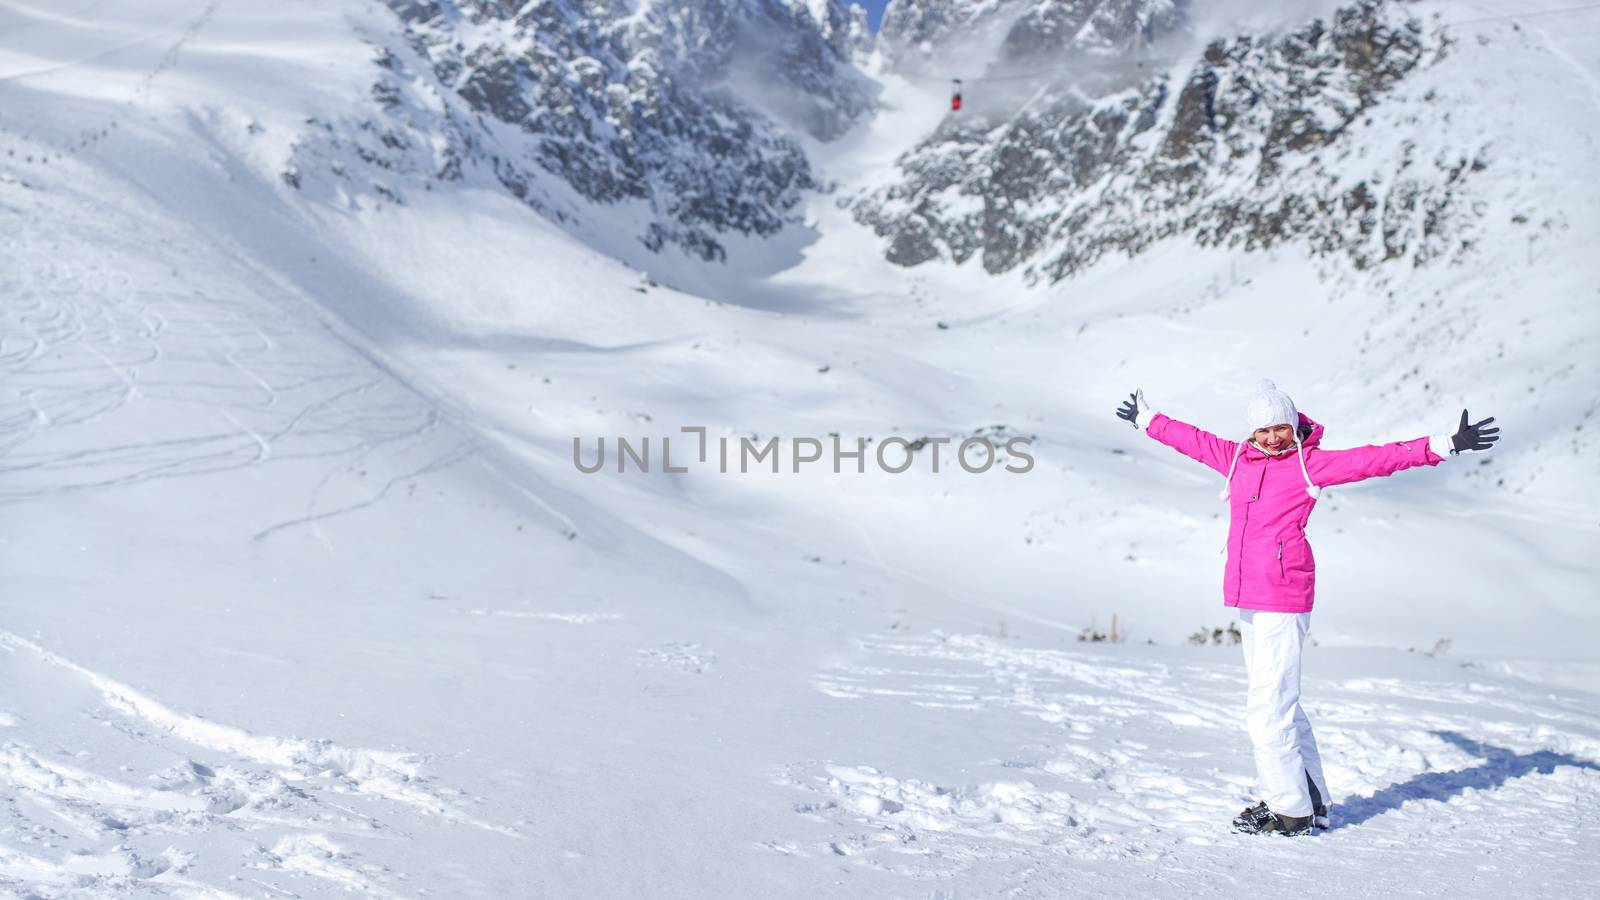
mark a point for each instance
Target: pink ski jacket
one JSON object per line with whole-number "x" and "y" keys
{"x": 1270, "y": 566}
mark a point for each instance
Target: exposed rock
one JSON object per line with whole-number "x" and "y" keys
{"x": 684, "y": 108}
{"x": 1243, "y": 153}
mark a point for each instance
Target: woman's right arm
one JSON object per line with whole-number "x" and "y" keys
{"x": 1200, "y": 446}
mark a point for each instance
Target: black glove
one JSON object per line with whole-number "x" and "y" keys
{"x": 1473, "y": 437}
{"x": 1133, "y": 408}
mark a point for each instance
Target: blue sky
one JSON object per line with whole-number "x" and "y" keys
{"x": 874, "y": 10}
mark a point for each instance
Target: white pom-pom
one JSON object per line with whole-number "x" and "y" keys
{"x": 1314, "y": 491}
{"x": 1265, "y": 385}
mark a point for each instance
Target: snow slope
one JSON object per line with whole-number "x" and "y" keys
{"x": 303, "y": 595}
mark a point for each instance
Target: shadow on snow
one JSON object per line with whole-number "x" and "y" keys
{"x": 1499, "y": 764}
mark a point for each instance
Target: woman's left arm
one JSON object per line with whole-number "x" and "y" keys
{"x": 1330, "y": 467}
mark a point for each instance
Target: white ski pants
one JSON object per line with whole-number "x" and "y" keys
{"x": 1288, "y": 767}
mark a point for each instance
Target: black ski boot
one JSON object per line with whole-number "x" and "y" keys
{"x": 1251, "y": 818}
{"x": 1288, "y": 826}
{"x": 1268, "y": 822}
{"x": 1258, "y": 819}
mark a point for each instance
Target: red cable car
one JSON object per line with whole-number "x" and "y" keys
{"x": 955, "y": 95}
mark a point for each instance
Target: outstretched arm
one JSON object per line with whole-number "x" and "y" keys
{"x": 1198, "y": 445}
{"x": 1330, "y": 467}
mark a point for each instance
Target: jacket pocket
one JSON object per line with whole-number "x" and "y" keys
{"x": 1295, "y": 561}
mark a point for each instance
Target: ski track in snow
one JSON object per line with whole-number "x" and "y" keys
{"x": 1132, "y": 759}
{"x": 89, "y": 832}
{"x": 211, "y": 377}
{"x": 83, "y": 359}
{"x": 122, "y": 367}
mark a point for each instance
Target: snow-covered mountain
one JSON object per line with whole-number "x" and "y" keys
{"x": 1255, "y": 143}
{"x": 680, "y": 121}
{"x": 304, "y": 306}
{"x": 676, "y": 120}
{"x": 682, "y": 124}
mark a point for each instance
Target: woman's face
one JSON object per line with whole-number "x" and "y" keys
{"x": 1275, "y": 439}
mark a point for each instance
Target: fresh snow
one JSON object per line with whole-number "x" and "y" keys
{"x": 303, "y": 596}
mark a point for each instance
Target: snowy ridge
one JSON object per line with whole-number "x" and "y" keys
{"x": 228, "y": 780}
{"x": 387, "y": 774}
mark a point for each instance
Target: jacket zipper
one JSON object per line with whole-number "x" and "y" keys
{"x": 1281, "y": 573}
{"x": 1244, "y": 526}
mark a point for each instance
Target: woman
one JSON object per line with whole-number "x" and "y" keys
{"x": 1273, "y": 479}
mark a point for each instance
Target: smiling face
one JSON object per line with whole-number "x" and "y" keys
{"x": 1275, "y": 439}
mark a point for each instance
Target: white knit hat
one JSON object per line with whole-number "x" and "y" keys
{"x": 1267, "y": 408}
{"x": 1270, "y": 407}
